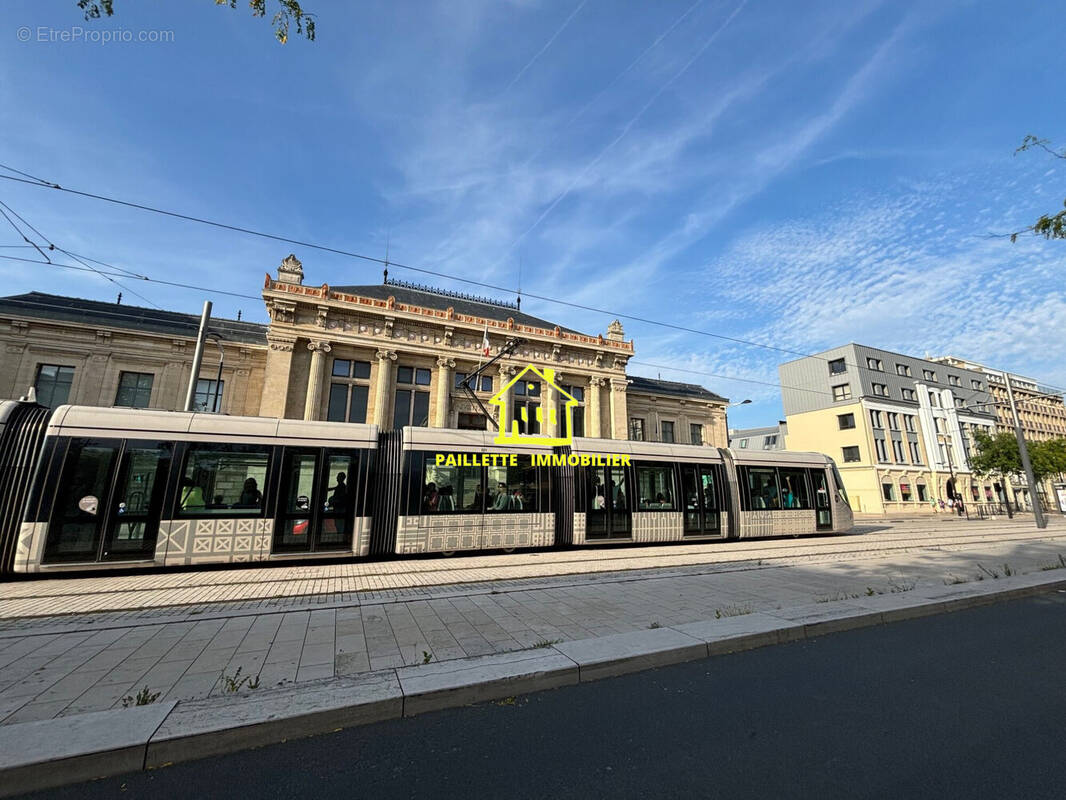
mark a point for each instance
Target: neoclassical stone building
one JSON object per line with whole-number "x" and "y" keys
{"x": 392, "y": 354}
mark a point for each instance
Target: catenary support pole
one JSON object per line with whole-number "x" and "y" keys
{"x": 1034, "y": 493}
{"x": 198, "y": 356}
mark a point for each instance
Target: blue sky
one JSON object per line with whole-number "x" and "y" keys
{"x": 800, "y": 175}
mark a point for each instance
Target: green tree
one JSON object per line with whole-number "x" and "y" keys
{"x": 289, "y": 13}
{"x": 996, "y": 454}
{"x": 1050, "y": 226}
{"x": 1048, "y": 457}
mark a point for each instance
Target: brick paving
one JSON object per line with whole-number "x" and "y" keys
{"x": 180, "y": 633}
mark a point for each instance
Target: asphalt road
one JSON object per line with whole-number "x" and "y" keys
{"x": 971, "y": 704}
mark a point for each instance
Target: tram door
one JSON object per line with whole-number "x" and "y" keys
{"x": 108, "y": 504}
{"x": 822, "y": 501}
{"x": 702, "y": 507}
{"x": 608, "y": 515}
{"x": 315, "y": 508}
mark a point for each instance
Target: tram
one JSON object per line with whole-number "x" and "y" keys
{"x": 87, "y": 488}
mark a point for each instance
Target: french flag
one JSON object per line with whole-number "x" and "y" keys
{"x": 485, "y": 342}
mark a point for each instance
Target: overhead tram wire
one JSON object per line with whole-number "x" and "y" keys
{"x": 32, "y": 180}
{"x": 53, "y": 247}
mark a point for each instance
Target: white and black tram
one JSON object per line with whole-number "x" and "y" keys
{"x": 85, "y": 488}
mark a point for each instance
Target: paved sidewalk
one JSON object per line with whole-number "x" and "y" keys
{"x": 61, "y": 666}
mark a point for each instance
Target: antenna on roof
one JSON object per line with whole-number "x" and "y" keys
{"x": 119, "y": 301}
{"x": 388, "y": 238}
{"x": 238, "y": 315}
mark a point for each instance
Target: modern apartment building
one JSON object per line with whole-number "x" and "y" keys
{"x": 768, "y": 438}
{"x": 900, "y": 428}
{"x": 1041, "y": 412}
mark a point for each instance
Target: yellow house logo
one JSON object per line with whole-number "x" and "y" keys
{"x": 508, "y": 430}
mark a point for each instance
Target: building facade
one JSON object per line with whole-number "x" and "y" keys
{"x": 768, "y": 438}
{"x": 1041, "y": 412}
{"x": 392, "y": 354}
{"x": 900, "y": 428}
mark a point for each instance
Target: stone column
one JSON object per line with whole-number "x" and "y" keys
{"x": 507, "y": 409}
{"x": 551, "y": 402}
{"x": 316, "y": 378}
{"x": 383, "y": 382}
{"x": 445, "y": 366}
{"x": 595, "y": 421}
{"x": 276, "y": 378}
{"x": 619, "y": 416}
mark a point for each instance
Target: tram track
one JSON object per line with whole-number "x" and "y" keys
{"x": 131, "y": 592}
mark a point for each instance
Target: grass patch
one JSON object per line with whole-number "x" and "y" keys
{"x": 734, "y": 610}
{"x": 145, "y": 697}
{"x": 426, "y": 656}
{"x": 1060, "y": 564}
{"x": 231, "y": 684}
{"x": 544, "y": 643}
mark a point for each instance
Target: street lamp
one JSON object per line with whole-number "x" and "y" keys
{"x": 218, "y": 380}
{"x": 741, "y": 403}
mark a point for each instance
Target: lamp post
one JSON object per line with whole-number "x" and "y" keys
{"x": 218, "y": 378}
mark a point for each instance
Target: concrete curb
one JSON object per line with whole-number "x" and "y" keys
{"x": 41, "y": 755}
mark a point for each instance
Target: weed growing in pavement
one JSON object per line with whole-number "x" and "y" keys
{"x": 901, "y": 586}
{"x": 1008, "y": 571}
{"x": 544, "y": 643}
{"x": 426, "y": 656}
{"x": 654, "y": 625}
{"x": 952, "y": 580}
{"x": 145, "y": 697}
{"x": 1053, "y": 565}
{"x": 506, "y": 701}
{"x": 735, "y": 610}
{"x": 231, "y": 684}
{"x": 990, "y": 572}
{"x": 832, "y": 598}
{"x": 870, "y": 592}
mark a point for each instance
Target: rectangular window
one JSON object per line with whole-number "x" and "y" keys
{"x": 578, "y": 411}
{"x": 904, "y": 492}
{"x": 668, "y": 432}
{"x": 208, "y": 397}
{"x": 482, "y": 384}
{"x": 513, "y": 487}
{"x": 876, "y": 420}
{"x": 893, "y": 421}
{"x": 875, "y": 364}
{"x": 916, "y": 453}
{"x": 451, "y": 490}
{"x": 846, "y": 421}
{"x": 929, "y": 375}
{"x": 743, "y": 444}
{"x": 134, "y": 389}
{"x": 762, "y": 488}
{"x": 348, "y": 396}
{"x": 851, "y": 454}
{"x": 897, "y": 451}
{"x": 977, "y": 385}
{"x": 938, "y": 424}
{"x": 882, "y": 450}
{"x": 954, "y": 380}
{"x": 888, "y": 491}
{"x": 410, "y": 405}
{"x": 903, "y": 369}
{"x": 881, "y": 389}
{"x": 922, "y": 496}
{"x": 794, "y": 492}
{"x": 526, "y": 413}
{"x": 908, "y": 394}
{"x": 934, "y": 400}
{"x": 472, "y": 422}
{"x": 527, "y": 389}
{"x": 224, "y": 479}
{"x": 53, "y": 384}
{"x": 636, "y": 429}
{"x": 695, "y": 433}
{"x": 837, "y": 366}
{"x": 655, "y": 488}
{"x": 769, "y": 442}
{"x": 908, "y": 422}
{"x": 842, "y": 392}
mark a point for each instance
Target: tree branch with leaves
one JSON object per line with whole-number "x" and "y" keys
{"x": 288, "y": 15}
{"x": 1050, "y": 226}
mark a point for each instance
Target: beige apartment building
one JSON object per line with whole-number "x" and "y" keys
{"x": 392, "y": 354}
{"x": 1041, "y": 412}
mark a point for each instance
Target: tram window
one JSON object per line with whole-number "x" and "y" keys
{"x": 224, "y": 480}
{"x": 144, "y": 471}
{"x": 607, "y": 482}
{"x": 82, "y": 494}
{"x": 513, "y": 488}
{"x": 794, "y": 492}
{"x": 448, "y": 490}
{"x": 655, "y": 488}
{"x": 762, "y": 488}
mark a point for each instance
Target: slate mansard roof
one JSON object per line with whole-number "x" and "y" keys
{"x": 657, "y": 386}
{"x": 136, "y": 318}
